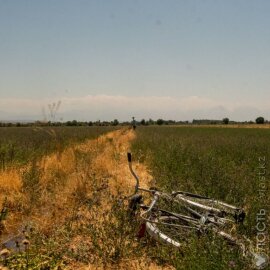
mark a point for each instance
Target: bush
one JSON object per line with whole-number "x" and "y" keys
{"x": 225, "y": 121}
{"x": 115, "y": 122}
{"x": 260, "y": 120}
{"x": 160, "y": 121}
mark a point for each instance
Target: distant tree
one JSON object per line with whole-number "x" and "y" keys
{"x": 259, "y": 120}
{"x": 74, "y": 123}
{"x": 115, "y": 122}
{"x": 160, "y": 121}
{"x": 171, "y": 122}
{"x": 151, "y": 121}
{"x": 225, "y": 120}
{"x": 143, "y": 122}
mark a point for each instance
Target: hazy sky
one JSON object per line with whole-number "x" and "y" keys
{"x": 149, "y": 58}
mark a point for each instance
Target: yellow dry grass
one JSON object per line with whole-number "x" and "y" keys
{"x": 10, "y": 181}
{"x": 143, "y": 263}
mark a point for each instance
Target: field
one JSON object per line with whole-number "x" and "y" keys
{"x": 19, "y": 145}
{"x": 223, "y": 163}
{"x": 64, "y": 190}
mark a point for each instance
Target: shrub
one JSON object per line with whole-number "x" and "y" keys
{"x": 225, "y": 120}
{"x": 160, "y": 121}
{"x": 259, "y": 120}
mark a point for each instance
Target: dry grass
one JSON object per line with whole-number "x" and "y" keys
{"x": 10, "y": 182}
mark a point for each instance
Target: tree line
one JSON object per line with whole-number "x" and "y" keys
{"x": 142, "y": 122}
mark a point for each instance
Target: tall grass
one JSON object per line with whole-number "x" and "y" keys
{"x": 216, "y": 162}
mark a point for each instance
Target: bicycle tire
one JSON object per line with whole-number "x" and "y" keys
{"x": 170, "y": 230}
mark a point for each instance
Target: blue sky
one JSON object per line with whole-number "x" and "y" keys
{"x": 114, "y": 59}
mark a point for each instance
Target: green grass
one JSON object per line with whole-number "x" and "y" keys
{"x": 19, "y": 145}
{"x": 216, "y": 162}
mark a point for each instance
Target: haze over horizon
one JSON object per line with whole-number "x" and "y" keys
{"x": 179, "y": 60}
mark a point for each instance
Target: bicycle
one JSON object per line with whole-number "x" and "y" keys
{"x": 189, "y": 213}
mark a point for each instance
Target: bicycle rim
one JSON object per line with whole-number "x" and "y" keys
{"x": 170, "y": 230}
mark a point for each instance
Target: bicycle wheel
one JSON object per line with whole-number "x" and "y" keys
{"x": 170, "y": 229}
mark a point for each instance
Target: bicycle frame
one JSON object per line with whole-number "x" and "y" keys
{"x": 180, "y": 196}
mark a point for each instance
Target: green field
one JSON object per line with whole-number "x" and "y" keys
{"x": 216, "y": 162}
{"x": 19, "y": 145}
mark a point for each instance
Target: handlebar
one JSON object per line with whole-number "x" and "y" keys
{"x": 133, "y": 173}
{"x": 129, "y": 157}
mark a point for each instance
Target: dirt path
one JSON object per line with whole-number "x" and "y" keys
{"x": 113, "y": 161}
{"x": 63, "y": 175}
